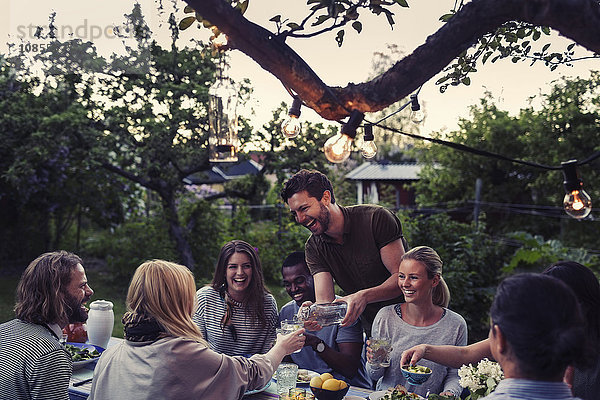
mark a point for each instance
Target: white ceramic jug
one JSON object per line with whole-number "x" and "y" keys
{"x": 101, "y": 320}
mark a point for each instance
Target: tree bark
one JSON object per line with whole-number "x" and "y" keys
{"x": 578, "y": 20}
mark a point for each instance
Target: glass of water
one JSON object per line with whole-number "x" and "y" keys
{"x": 287, "y": 375}
{"x": 381, "y": 347}
{"x": 290, "y": 326}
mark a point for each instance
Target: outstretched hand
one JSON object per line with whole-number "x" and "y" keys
{"x": 292, "y": 341}
{"x": 356, "y": 305}
{"x": 413, "y": 355}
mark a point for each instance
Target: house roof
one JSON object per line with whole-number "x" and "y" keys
{"x": 224, "y": 172}
{"x": 385, "y": 172}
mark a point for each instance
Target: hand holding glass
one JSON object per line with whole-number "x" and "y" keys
{"x": 381, "y": 348}
{"x": 289, "y": 326}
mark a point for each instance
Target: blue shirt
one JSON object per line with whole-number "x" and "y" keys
{"x": 307, "y": 358}
{"x": 511, "y": 388}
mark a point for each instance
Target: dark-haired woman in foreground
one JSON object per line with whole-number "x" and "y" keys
{"x": 536, "y": 332}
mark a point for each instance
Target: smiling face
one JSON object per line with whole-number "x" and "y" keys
{"x": 298, "y": 283}
{"x": 77, "y": 294}
{"x": 238, "y": 275}
{"x": 413, "y": 280}
{"x": 310, "y": 212}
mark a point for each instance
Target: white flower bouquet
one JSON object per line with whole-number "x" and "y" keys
{"x": 480, "y": 380}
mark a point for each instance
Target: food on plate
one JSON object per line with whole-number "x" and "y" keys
{"x": 81, "y": 353}
{"x": 417, "y": 369}
{"x": 303, "y": 376}
{"x": 399, "y": 392}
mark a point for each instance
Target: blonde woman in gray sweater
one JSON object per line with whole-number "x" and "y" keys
{"x": 422, "y": 318}
{"x": 164, "y": 355}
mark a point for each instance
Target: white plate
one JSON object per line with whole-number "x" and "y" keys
{"x": 258, "y": 390}
{"x": 353, "y": 398}
{"x": 377, "y": 395}
{"x": 311, "y": 374}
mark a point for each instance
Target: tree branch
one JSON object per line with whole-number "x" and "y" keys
{"x": 578, "y": 20}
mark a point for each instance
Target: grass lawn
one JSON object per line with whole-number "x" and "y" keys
{"x": 103, "y": 289}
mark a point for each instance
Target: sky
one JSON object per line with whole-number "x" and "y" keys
{"x": 510, "y": 84}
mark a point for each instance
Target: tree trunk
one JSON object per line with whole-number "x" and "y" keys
{"x": 177, "y": 232}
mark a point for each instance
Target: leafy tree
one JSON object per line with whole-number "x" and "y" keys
{"x": 566, "y": 118}
{"x": 474, "y": 32}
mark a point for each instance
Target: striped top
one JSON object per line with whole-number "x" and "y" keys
{"x": 34, "y": 364}
{"x": 251, "y": 338}
{"x": 511, "y": 388}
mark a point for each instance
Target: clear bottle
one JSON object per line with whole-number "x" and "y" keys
{"x": 324, "y": 314}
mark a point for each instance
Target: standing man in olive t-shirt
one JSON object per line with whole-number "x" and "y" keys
{"x": 359, "y": 247}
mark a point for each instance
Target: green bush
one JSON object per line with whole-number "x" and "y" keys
{"x": 130, "y": 244}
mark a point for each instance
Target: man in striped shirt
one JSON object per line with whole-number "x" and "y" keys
{"x": 51, "y": 294}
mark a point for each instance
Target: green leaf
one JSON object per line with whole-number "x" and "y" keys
{"x": 188, "y": 9}
{"x": 390, "y": 18}
{"x": 243, "y": 6}
{"x": 446, "y": 17}
{"x": 466, "y": 81}
{"x": 339, "y": 38}
{"x": 293, "y": 26}
{"x": 186, "y": 23}
{"x": 276, "y": 18}
{"x": 546, "y": 30}
{"x": 486, "y": 56}
{"x": 536, "y": 35}
{"x": 545, "y": 47}
{"x": 402, "y": 3}
{"x": 357, "y": 26}
{"x": 570, "y": 47}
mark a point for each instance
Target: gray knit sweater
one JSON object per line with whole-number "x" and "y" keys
{"x": 451, "y": 329}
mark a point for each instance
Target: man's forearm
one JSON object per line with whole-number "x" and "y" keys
{"x": 386, "y": 291}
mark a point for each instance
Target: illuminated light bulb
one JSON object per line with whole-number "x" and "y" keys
{"x": 292, "y": 126}
{"x": 577, "y": 203}
{"x": 416, "y": 115}
{"x": 368, "y": 149}
{"x": 337, "y": 148}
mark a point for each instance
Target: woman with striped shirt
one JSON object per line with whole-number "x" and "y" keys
{"x": 236, "y": 314}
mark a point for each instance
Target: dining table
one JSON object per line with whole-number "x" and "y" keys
{"x": 81, "y": 384}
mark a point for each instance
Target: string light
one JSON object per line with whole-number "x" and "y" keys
{"x": 368, "y": 149}
{"x": 577, "y": 202}
{"x": 292, "y": 126}
{"x": 337, "y": 148}
{"x": 416, "y": 115}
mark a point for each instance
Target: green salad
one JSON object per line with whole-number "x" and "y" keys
{"x": 81, "y": 353}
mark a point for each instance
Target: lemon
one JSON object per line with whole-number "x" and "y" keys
{"x": 325, "y": 376}
{"x": 343, "y": 385}
{"x": 331, "y": 384}
{"x": 316, "y": 382}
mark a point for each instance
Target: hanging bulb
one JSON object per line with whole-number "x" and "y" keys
{"x": 416, "y": 115}
{"x": 291, "y": 126}
{"x": 577, "y": 202}
{"x": 368, "y": 149}
{"x": 337, "y": 148}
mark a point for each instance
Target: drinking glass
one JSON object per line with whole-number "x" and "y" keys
{"x": 381, "y": 348}
{"x": 290, "y": 326}
{"x": 64, "y": 338}
{"x": 287, "y": 374}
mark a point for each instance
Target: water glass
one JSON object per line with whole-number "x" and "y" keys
{"x": 63, "y": 339}
{"x": 287, "y": 375}
{"x": 381, "y": 347}
{"x": 290, "y": 326}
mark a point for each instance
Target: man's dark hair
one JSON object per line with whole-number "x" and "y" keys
{"x": 42, "y": 290}
{"x": 295, "y": 258}
{"x": 313, "y": 181}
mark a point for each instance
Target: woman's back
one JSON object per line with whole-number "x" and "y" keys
{"x": 174, "y": 368}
